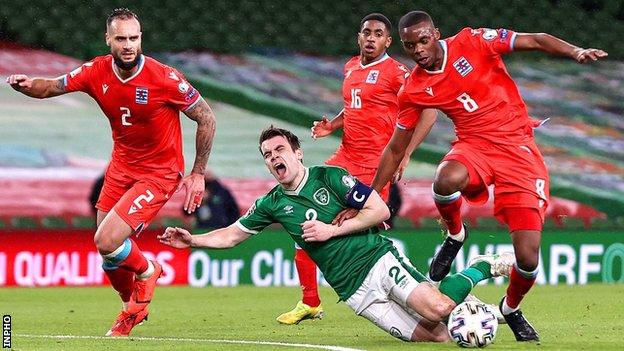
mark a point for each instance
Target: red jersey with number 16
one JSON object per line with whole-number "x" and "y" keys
{"x": 370, "y": 108}
{"x": 472, "y": 88}
{"x": 143, "y": 111}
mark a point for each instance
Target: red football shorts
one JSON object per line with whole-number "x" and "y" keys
{"x": 518, "y": 173}
{"x": 363, "y": 174}
{"x": 136, "y": 198}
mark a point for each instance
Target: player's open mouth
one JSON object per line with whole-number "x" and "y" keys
{"x": 280, "y": 169}
{"x": 423, "y": 61}
{"x": 369, "y": 48}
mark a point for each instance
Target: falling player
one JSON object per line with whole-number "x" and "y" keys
{"x": 141, "y": 99}
{"x": 465, "y": 77}
{"x": 367, "y": 272}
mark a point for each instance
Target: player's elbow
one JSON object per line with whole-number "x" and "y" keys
{"x": 384, "y": 213}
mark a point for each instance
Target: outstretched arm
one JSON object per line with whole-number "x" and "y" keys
{"x": 427, "y": 119}
{"x": 325, "y": 127}
{"x": 223, "y": 238}
{"x": 194, "y": 182}
{"x": 39, "y": 88}
{"x": 550, "y": 44}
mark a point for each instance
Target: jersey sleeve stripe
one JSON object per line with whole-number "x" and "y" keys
{"x": 245, "y": 229}
{"x": 193, "y": 104}
{"x": 512, "y": 41}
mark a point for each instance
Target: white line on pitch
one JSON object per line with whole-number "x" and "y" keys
{"x": 215, "y": 341}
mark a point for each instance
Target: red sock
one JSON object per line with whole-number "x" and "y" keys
{"x": 135, "y": 262}
{"x": 451, "y": 214}
{"x": 519, "y": 285}
{"x": 122, "y": 281}
{"x": 307, "y": 278}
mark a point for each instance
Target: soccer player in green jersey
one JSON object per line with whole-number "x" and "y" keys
{"x": 367, "y": 272}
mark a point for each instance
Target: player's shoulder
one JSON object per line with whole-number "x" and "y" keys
{"x": 327, "y": 172}
{"x": 352, "y": 62}
{"x": 99, "y": 62}
{"x": 397, "y": 65}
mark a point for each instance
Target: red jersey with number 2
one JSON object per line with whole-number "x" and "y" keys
{"x": 473, "y": 88}
{"x": 370, "y": 108}
{"x": 143, "y": 111}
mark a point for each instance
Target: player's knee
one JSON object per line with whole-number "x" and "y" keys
{"x": 103, "y": 243}
{"x": 528, "y": 263}
{"x": 446, "y": 183}
{"x": 441, "y": 309}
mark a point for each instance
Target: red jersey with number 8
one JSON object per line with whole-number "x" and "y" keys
{"x": 143, "y": 111}
{"x": 473, "y": 88}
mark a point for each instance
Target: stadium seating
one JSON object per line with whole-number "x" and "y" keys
{"x": 75, "y": 27}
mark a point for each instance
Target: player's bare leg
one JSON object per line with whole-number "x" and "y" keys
{"x": 125, "y": 266}
{"x": 430, "y": 331}
{"x": 526, "y": 246}
{"x": 450, "y": 179}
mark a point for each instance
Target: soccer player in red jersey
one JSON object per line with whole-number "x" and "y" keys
{"x": 141, "y": 98}
{"x": 465, "y": 77}
{"x": 372, "y": 80}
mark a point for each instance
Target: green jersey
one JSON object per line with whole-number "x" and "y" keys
{"x": 322, "y": 194}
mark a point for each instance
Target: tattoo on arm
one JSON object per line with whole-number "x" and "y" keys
{"x": 60, "y": 85}
{"x": 206, "y": 123}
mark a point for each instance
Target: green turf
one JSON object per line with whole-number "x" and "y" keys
{"x": 568, "y": 318}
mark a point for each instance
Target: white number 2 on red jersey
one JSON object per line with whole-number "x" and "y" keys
{"x": 125, "y": 115}
{"x": 469, "y": 104}
{"x": 356, "y": 99}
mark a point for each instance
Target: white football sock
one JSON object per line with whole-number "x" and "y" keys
{"x": 459, "y": 236}
{"x": 148, "y": 272}
{"x": 506, "y": 309}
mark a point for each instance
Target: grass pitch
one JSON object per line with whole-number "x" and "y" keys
{"x": 243, "y": 318}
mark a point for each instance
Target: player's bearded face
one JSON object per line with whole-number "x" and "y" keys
{"x": 283, "y": 162}
{"x": 420, "y": 42}
{"x": 124, "y": 39}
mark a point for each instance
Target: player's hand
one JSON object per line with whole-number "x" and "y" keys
{"x": 317, "y": 231}
{"x": 345, "y": 214}
{"x": 321, "y": 128}
{"x": 588, "y": 55}
{"x": 19, "y": 82}
{"x": 176, "y": 237}
{"x": 195, "y": 185}
{"x": 399, "y": 173}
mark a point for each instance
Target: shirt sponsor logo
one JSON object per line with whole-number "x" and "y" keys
{"x": 489, "y": 34}
{"x": 104, "y": 88}
{"x": 349, "y": 181}
{"x": 173, "y": 76}
{"x": 288, "y": 209}
{"x": 183, "y": 87}
{"x": 141, "y": 96}
{"x": 373, "y": 75}
{"x": 462, "y": 66}
{"x": 321, "y": 196}
{"x": 429, "y": 90}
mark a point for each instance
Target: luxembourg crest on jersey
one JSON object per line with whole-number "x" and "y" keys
{"x": 462, "y": 66}
{"x": 141, "y": 96}
{"x": 373, "y": 75}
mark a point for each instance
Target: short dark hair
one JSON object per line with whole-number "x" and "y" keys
{"x": 122, "y": 13}
{"x": 375, "y": 16}
{"x": 272, "y": 131}
{"x": 413, "y": 18}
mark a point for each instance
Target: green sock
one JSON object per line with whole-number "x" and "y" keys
{"x": 458, "y": 286}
